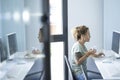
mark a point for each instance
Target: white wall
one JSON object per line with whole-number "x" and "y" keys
{"x": 111, "y": 20}
{"x": 89, "y": 13}
{"x": 32, "y": 27}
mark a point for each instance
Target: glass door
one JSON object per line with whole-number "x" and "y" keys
{"x": 58, "y": 34}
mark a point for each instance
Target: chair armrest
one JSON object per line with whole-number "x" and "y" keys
{"x": 34, "y": 73}
{"x": 93, "y": 72}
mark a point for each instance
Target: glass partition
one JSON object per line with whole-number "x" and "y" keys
{"x": 23, "y": 17}
{"x": 56, "y": 17}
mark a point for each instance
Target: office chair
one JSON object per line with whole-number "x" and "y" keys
{"x": 35, "y": 76}
{"x": 70, "y": 69}
{"x": 37, "y": 71}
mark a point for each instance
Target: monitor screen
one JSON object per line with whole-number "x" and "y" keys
{"x": 115, "y": 41}
{"x": 3, "y": 53}
{"x": 11, "y": 43}
{"x": 0, "y": 50}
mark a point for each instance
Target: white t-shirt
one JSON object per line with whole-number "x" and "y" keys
{"x": 78, "y": 51}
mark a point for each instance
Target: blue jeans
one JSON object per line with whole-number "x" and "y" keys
{"x": 79, "y": 77}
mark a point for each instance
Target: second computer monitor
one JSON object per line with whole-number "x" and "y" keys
{"x": 3, "y": 53}
{"x": 0, "y": 49}
{"x": 116, "y": 41}
{"x": 12, "y": 43}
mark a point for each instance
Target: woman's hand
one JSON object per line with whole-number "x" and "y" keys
{"x": 91, "y": 52}
{"x": 101, "y": 54}
{"x": 98, "y": 55}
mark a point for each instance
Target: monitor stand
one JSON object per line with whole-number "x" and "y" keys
{"x": 10, "y": 58}
{"x": 117, "y": 56}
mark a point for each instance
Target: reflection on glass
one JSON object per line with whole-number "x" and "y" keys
{"x": 16, "y": 16}
{"x": 57, "y": 63}
{"x": 56, "y": 17}
{"x": 23, "y": 18}
{"x": 0, "y": 16}
{"x": 7, "y": 16}
{"x": 26, "y": 16}
{"x": 13, "y": 18}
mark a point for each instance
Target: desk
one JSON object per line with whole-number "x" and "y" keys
{"x": 25, "y": 68}
{"x": 108, "y": 66}
{"x": 37, "y": 71}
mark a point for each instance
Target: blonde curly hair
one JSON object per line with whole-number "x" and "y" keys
{"x": 78, "y": 31}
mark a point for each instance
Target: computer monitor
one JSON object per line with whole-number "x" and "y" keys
{"x": 11, "y": 43}
{"x": 116, "y": 41}
{"x": 3, "y": 53}
{"x": 0, "y": 49}
{"x": 119, "y": 46}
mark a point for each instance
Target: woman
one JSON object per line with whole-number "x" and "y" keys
{"x": 80, "y": 52}
{"x": 40, "y": 38}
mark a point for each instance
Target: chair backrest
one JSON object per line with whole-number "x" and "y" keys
{"x": 84, "y": 73}
{"x": 69, "y": 68}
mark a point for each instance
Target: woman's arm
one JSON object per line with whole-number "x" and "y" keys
{"x": 80, "y": 59}
{"x": 98, "y": 55}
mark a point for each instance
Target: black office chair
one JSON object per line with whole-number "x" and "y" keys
{"x": 34, "y": 76}
{"x": 70, "y": 69}
{"x": 37, "y": 71}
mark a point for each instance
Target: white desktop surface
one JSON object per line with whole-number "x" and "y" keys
{"x": 108, "y": 65}
{"x": 26, "y": 64}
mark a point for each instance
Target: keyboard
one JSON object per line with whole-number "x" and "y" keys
{"x": 107, "y": 60}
